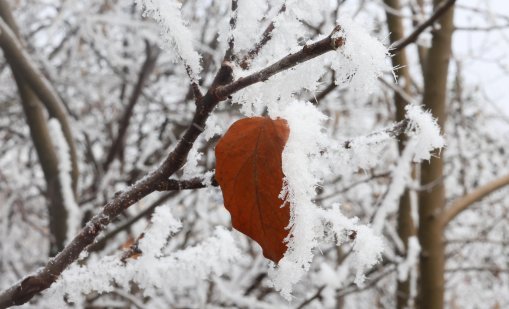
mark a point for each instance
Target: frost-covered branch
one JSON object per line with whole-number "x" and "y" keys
{"x": 20, "y": 61}
{"x": 393, "y": 131}
{"x": 307, "y": 52}
{"x": 188, "y": 184}
{"x": 423, "y": 138}
{"x": 166, "y": 269}
{"x": 266, "y": 36}
{"x": 29, "y": 286}
{"x": 41, "y": 137}
{"x": 175, "y": 33}
{"x": 64, "y": 175}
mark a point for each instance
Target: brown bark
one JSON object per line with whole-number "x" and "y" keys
{"x": 36, "y": 120}
{"x": 440, "y": 9}
{"x": 475, "y": 195}
{"x": 431, "y": 202}
{"x": 406, "y": 227}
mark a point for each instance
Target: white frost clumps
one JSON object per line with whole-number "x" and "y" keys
{"x": 304, "y": 165}
{"x": 362, "y": 151}
{"x": 301, "y": 176}
{"x": 64, "y": 175}
{"x": 424, "y": 137}
{"x": 163, "y": 225}
{"x": 367, "y": 249}
{"x": 279, "y": 90}
{"x": 425, "y": 131}
{"x": 174, "y": 32}
{"x": 191, "y": 168}
{"x": 154, "y": 271}
{"x": 367, "y": 245}
{"x": 412, "y": 257}
{"x": 307, "y": 157}
{"x": 247, "y": 30}
{"x": 362, "y": 58}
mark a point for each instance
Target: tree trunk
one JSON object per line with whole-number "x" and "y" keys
{"x": 405, "y": 224}
{"x": 37, "y": 122}
{"x": 431, "y": 201}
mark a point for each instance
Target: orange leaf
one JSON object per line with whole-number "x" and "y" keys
{"x": 249, "y": 172}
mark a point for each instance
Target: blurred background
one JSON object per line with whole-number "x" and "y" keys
{"x": 127, "y": 101}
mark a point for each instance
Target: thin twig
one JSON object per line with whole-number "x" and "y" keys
{"x": 266, "y": 36}
{"x": 441, "y": 9}
{"x": 146, "y": 69}
{"x": 317, "y": 295}
{"x": 233, "y": 24}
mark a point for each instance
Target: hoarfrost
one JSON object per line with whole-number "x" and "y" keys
{"x": 424, "y": 137}
{"x": 174, "y": 31}
{"x": 425, "y": 130}
{"x": 361, "y": 60}
{"x": 247, "y": 30}
{"x": 153, "y": 270}
{"x": 412, "y": 257}
{"x": 191, "y": 168}
{"x": 304, "y": 164}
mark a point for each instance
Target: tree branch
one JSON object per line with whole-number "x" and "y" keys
{"x": 146, "y": 70}
{"x": 266, "y": 36}
{"x": 476, "y": 195}
{"x": 307, "y": 52}
{"x": 233, "y": 24}
{"x": 20, "y": 61}
{"x": 394, "y": 131}
{"x": 25, "y": 289}
{"x": 440, "y": 10}
{"x": 43, "y": 143}
{"x": 188, "y": 184}
{"x": 316, "y": 295}
{"x": 100, "y": 243}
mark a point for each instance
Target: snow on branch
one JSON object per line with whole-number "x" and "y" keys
{"x": 309, "y": 155}
{"x": 249, "y": 15}
{"x": 174, "y": 32}
{"x": 24, "y": 290}
{"x": 304, "y": 165}
{"x": 412, "y": 257}
{"x": 423, "y": 128}
{"x": 363, "y": 59}
{"x": 153, "y": 271}
{"x": 423, "y": 138}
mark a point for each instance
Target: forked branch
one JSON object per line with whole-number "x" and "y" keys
{"x": 221, "y": 88}
{"x": 19, "y": 60}
{"x": 443, "y": 7}
{"x": 476, "y": 195}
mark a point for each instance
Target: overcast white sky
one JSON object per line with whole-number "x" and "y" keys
{"x": 486, "y": 51}
{"x": 483, "y": 54}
